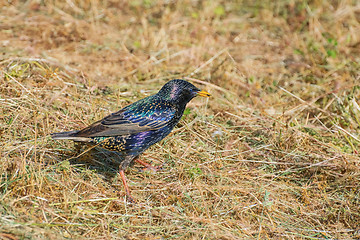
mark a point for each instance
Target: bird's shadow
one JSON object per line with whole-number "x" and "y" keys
{"x": 104, "y": 162}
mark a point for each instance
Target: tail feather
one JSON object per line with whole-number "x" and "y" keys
{"x": 71, "y": 135}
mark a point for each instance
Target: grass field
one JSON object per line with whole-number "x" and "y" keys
{"x": 273, "y": 154}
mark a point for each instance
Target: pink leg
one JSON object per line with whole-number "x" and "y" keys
{"x": 148, "y": 166}
{"x": 122, "y": 174}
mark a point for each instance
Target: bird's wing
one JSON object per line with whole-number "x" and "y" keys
{"x": 135, "y": 118}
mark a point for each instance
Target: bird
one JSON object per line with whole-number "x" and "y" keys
{"x": 136, "y": 127}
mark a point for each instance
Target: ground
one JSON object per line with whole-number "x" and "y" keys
{"x": 273, "y": 154}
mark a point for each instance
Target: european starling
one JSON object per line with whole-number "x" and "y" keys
{"x": 136, "y": 127}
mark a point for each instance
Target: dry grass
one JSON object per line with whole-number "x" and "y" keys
{"x": 274, "y": 154}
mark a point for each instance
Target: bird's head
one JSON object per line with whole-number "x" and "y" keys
{"x": 180, "y": 91}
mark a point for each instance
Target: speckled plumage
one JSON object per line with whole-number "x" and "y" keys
{"x": 136, "y": 127}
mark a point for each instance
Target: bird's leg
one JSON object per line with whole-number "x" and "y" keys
{"x": 148, "y": 166}
{"x": 122, "y": 174}
{"x": 123, "y": 166}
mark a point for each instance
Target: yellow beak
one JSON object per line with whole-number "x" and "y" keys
{"x": 203, "y": 93}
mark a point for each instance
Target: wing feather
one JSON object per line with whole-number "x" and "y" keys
{"x": 132, "y": 119}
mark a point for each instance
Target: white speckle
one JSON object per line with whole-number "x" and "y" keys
{"x": 217, "y": 134}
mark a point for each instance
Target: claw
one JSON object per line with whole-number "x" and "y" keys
{"x": 149, "y": 166}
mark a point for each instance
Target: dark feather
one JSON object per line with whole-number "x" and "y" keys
{"x": 63, "y": 135}
{"x": 132, "y": 119}
{"x": 71, "y": 135}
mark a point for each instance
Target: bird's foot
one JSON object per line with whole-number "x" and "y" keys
{"x": 152, "y": 168}
{"x": 149, "y": 167}
{"x": 130, "y": 199}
